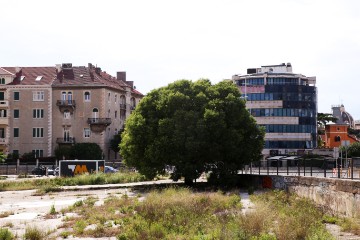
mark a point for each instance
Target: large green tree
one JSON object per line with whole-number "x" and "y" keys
{"x": 194, "y": 126}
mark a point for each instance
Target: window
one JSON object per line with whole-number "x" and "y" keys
{"x": 38, "y": 78}
{"x": 16, "y": 132}
{"x": 87, "y": 96}
{"x": 66, "y": 114}
{"x": 95, "y": 113}
{"x": 109, "y": 113}
{"x": 38, "y": 113}
{"x": 109, "y": 96}
{"x": 337, "y": 139}
{"x": 86, "y": 132}
{"x": 16, "y": 113}
{"x": 16, "y": 153}
{"x": 16, "y": 96}
{"x": 38, "y": 96}
{"x": 38, "y": 132}
{"x": 38, "y": 153}
{"x": 2, "y": 96}
{"x": 115, "y": 114}
{"x": 115, "y": 98}
{"x": 3, "y": 113}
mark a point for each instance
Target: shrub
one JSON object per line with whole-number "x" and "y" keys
{"x": 33, "y": 233}
{"x": 5, "y": 234}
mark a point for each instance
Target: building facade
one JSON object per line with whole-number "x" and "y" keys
{"x": 283, "y": 102}
{"x": 43, "y": 108}
{"x": 336, "y": 134}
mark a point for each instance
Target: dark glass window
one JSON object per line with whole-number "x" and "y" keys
{"x": 16, "y": 96}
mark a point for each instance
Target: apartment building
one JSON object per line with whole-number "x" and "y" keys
{"x": 283, "y": 102}
{"x": 42, "y": 108}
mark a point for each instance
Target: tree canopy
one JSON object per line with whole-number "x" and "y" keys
{"x": 81, "y": 151}
{"x": 194, "y": 126}
{"x": 353, "y": 150}
{"x": 324, "y": 118}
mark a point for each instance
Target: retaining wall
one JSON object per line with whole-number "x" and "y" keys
{"x": 342, "y": 196}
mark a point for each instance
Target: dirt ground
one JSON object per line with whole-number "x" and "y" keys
{"x": 27, "y": 210}
{"x": 22, "y": 209}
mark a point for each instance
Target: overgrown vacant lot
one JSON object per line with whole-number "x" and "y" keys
{"x": 178, "y": 213}
{"x": 50, "y": 184}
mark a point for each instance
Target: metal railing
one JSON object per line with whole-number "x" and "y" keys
{"x": 65, "y": 140}
{"x": 345, "y": 168}
{"x": 105, "y": 121}
{"x": 65, "y": 103}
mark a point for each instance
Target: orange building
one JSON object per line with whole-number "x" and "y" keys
{"x": 335, "y": 133}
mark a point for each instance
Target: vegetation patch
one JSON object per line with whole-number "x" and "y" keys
{"x": 53, "y": 184}
{"x": 179, "y": 213}
{"x": 5, "y": 234}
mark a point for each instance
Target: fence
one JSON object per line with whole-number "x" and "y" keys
{"x": 17, "y": 167}
{"x": 335, "y": 168}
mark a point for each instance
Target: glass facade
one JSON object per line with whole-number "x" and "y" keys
{"x": 298, "y": 102}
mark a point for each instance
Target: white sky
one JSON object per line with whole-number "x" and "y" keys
{"x": 159, "y": 41}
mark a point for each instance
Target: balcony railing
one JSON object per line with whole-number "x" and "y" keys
{"x": 3, "y": 141}
{"x": 66, "y": 140}
{"x": 4, "y": 103}
{"x": 99, "y": 121}
{"x": 66, "y": 105}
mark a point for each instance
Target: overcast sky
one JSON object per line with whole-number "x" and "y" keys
{"x": 159, "y": 41}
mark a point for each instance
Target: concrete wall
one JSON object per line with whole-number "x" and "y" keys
{"x": 340, "y": 196}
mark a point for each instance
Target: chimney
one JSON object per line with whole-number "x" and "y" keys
{"x": 130, "y": 83}
{"x": 90, "y": 65}
{"x": 121, "y": 76}
{"x": 98, "y": 70}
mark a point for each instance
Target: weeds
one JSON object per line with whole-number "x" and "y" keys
{"x": 54, "y": 184}
{"x": 33, "y": 233}
{"x": 5, "y": 234}
{"x": 6, "y": 214}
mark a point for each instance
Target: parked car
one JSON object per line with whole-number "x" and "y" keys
{"x": 109, "y": 169}
{"x": 41, "y": 170}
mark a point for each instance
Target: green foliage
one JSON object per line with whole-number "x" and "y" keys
{"x": 62, "y": 152}
{"x": 115, "y": 142}
{"x": 354, "y": 150}
{"x": 194, "y": 126}
{"x": 324, "y": 118}
{"x": 28, "y": 157}
{"x": 5, "y": 234}
{"x": 2, "y": 157}
{"x": 52, "y": 210}
{"x": 86, "y": 151}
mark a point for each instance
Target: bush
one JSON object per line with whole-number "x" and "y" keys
{"x": 5, "y": 234}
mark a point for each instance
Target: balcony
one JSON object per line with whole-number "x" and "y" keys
{"x": 4, "y": 104}
{"x": 66, "y": 140}
{"x": 3, "y": 141}
{"x": 99, "y": 124}
{"x": 4, "y": 121}
{"x": 66, "y": 105}
{"x": 123, "y": 106}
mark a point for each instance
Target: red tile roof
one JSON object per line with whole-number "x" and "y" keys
{"x": 74, "y": 76}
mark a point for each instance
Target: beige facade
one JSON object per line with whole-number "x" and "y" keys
{"x": 46, "y": 107}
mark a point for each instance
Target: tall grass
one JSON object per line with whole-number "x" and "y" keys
{"x": 52, "y": 184}
{"x": 179, "y": 213}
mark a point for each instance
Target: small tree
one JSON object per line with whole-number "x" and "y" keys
{"x": 86, "y": 151}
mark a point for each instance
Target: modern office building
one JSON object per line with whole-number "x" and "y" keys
{"x": 42, "y": 108}
{"x": 283, "y": 102}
